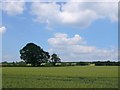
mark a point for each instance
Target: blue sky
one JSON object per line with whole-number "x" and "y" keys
{"x": 78, "y": 32}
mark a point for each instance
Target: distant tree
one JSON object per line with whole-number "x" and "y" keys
{"x": 55, "y": 59}
{"x": 33, "y": 54}
{"x": 13, "y": 62}
{"x": 5, "y": 62}
{"x": 21, "y": 62}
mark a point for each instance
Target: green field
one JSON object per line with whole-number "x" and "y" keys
{"x": 60, "y": 77}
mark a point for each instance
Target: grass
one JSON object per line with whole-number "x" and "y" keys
{"x": 60, "y": 77}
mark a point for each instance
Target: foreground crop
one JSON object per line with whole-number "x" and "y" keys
{"x": 60, "y": 77}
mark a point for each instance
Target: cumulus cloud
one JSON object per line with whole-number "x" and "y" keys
{"x": 80, "y": 14}
{"x": 73, "y": 49}
{"x": 2, "y": 29}
{"x": 61, "y": 39}
{"x": 13, "y": 7}
{"x": 44, "y": 12}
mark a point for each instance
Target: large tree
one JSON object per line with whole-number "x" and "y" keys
{"x": 55, "y": 59}
{"x": 33, "y": 54}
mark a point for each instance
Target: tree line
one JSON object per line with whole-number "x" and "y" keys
{"x": 97, "y": 63}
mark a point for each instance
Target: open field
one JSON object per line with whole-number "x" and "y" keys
{"x": 60, "y": 77}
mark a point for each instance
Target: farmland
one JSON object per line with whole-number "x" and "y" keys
{"x": 60, "y": 77}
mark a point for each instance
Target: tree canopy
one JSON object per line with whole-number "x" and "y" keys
{"x": 55, "y": 59}
{"x": 33, "y": 54}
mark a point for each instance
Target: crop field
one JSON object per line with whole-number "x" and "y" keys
{"x": 60, "y": 77}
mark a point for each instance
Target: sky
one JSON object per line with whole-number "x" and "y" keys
{"x": 76, "y": 31}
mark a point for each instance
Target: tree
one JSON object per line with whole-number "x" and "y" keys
{"x": 21, "y": 63}
{"x": 5, "y": 62}
{"x": 55, "y": 59}
{"x": 33, "y": 54}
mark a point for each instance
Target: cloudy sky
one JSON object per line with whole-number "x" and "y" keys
{"x": 76, "y": 31}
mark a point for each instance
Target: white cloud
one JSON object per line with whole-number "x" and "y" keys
{"x": 13, "y": 8}
{"x": 73, "y": 49}
{"x": 45, "y": 12}
{"x": 104, "y": 10}
{"x": 2, "y": 29}
{"x": 80, "y": 14}
{"x": 61, "y": 39}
